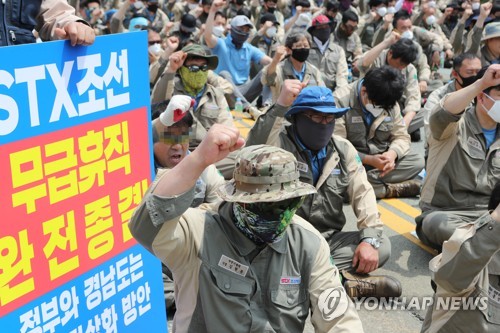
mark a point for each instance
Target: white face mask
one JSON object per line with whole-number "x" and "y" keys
{"x": 374, "y": 110}
{"x": 218, "y": 30}
{"x": 407, "y": 34}
{"x": 476, "y": 5}
{"x": 494, "y": 111}
{"x": 431, "y": 4}
{"x": 391, "y": 10}
{"x": 155, "y": 49}
{"x": 382, "y": 11}
{"x": 192, "y": 6}
{"x": 271, "y": 32}
{"x": 430, "y": 20}
{"x": 138, "y": 4}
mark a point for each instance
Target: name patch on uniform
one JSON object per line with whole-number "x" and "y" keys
{"x": 387, "y": 119}
{"x": 290, "y": 280}
{"x": 474, "y": 143}
{"x": 356, "y": 120}
{"x": 233, "y": 266}
{"x": 301, "y": 166}
{"x": 336, "y": 172}
{"x": 494, "y": 294}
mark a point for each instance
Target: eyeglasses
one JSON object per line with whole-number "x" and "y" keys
{"x": 195, "y": 69}
{"x": 153, "y": 42}
{"x": 318, "y": 118}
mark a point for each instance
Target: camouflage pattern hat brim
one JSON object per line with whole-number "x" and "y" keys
{"x": 277, "y": 192}
{"x": 264, "y": 174}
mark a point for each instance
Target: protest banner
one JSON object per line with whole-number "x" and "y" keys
{"x": 75, "y": 156}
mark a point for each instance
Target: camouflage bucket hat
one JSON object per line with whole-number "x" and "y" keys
{"x": 264, "y": 174}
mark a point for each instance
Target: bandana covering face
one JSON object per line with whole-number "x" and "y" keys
{"x": 258, "y": 222}
{"x": 193, "y": 82}
{"x": 314, "y": 136}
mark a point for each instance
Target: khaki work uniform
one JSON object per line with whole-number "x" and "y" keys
{"x": 424, "y": 40}
{"x": 342, "y": 175}
{"x": 461, "y": 174}
{"x": 387, "y": 132}
{"x": 432, "y": 103}
{"x": 205, "y": 193}
{"x": 412, "y": 99}
{"x": 332, "y": 64}
{"x": 212, "y": 107}
{"x": 284, "y": 71}
{"x": 226, "y": 283}
{"x": 464, "y": 271}
{"x": 350, "y": 44}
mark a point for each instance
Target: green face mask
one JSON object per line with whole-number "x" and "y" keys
{"x": 193, "y": 82}
{"x": 265, "y": 222}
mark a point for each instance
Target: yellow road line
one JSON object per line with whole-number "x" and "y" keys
{"x": 402, "y": 227}
{"x": 403, "y": 207}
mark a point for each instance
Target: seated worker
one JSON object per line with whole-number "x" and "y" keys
{"x": 294, "y": 66}
{"x": 347, "y": 37}
{"x": 332, "y": 166}
{"x": 253, "y": 265}
{"x": 464, "y": 70}
{"x": 428, "y": 43}
{"x": 187, "y": 74}
{"x": 326, "y": 55}
{"x": 490, "y": 52}
{"x": 464, "y": 158}
{"x": 373, "y": 21}
{"x": 171, "y": 145}
{"x": 236, "y": 55}
{"x": 475, "y": 246}
{"x": 399, "y": 54}
{"x": 375, "y": 127}
{"x": 170, "y": 130}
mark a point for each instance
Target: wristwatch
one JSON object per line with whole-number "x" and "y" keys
{"x": 372, "y": 241}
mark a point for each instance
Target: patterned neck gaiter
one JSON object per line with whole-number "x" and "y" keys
{"x": 265, "y": 222}
{"x": 193, "y": 82}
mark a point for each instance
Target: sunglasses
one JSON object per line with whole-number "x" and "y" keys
{"x": 195, "y": 69}
{"x": 318, "y": 118}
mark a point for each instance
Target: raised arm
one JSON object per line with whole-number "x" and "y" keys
{"x": 210, "y": 39}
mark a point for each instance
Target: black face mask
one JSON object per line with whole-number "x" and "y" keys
{"x": 322, "y": 34}
{"x": 271, "y": 10}
{"x": 466, "y": 81}
{"x": 300, "y": 54}
{"x": 238, "y": 37}
{"x": 313, "y": 135}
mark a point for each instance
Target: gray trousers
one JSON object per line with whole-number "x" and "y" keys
{"x": 436, "y": 226}
{"x": 406, "y": 168}
{"x": 417, "y": 121}
{"x": 343, "y": 244}
{"x": 247, "y": 92}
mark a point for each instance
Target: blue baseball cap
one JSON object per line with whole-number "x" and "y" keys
{"x": 315, "y": 98}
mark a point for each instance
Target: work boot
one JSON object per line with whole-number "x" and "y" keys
{"x": 366, "y": 285}
{"x": 408, "y": 188}
{"x": 415, "y": 136}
